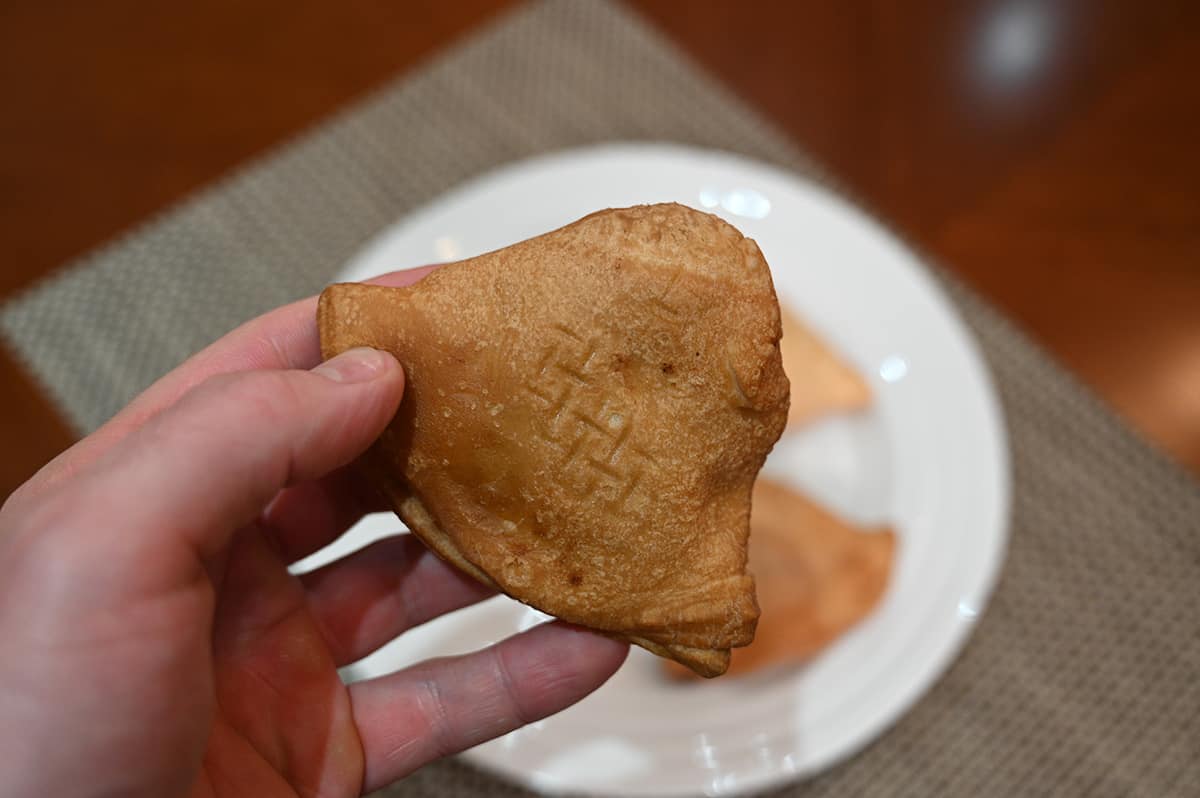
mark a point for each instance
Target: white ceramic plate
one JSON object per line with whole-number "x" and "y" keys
{"x": 930, "y": 457}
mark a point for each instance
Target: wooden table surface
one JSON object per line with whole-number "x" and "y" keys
{"x": 1045, "y": 151}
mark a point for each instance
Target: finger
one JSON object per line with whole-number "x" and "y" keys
{"x": 275, "y": 683}
{"x": 440, "y": 707}
{"x": 305, "y": 518}
{"x": 368, "y": 598}
{"x": 285, "y": 338}
{"x": 213, "y": 461}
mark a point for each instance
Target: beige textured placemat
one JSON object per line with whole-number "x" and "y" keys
{"x": 1084, "y": 676}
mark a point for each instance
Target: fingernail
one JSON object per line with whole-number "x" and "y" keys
{"x": 361, "y": 364}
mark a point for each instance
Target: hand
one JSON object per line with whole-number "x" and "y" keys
{"x": 152, "y": 641}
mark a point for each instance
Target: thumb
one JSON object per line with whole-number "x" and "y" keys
{"x": 212, "y": 461}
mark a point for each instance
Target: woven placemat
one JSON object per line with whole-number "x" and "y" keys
{"x": 1084, "y": 675}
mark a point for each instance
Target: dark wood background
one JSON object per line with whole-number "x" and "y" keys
{"x": 1046, "y": 151}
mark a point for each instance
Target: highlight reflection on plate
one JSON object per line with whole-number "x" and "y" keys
{"x": 929, "y": 457}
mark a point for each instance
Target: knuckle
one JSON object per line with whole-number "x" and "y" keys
{"x": 13, "y": 504}
{"x": 258, "y": 397}
{"x": 31, "y": 533}
{"x": 507, "y": 683}
{"x": 442, "y": 735}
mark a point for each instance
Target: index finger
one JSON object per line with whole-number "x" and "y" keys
{"x": 440, "y": 707}
{"x": 284, "y": 338}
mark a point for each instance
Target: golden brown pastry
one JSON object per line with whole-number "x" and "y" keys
{"x": 822, "y": 382}
{"x": 584, "y": 418}
{"x": 817, "y": 576}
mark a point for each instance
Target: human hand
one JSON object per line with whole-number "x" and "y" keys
{"x": 152, "y": 641}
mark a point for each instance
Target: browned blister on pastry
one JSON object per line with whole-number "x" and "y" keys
{"x": 822, "y": 382}
{"x": 584, "y": 417}
{"x": 817, "y": 576}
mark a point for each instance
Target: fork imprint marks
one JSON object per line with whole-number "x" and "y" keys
{"x": 592, "y": 432}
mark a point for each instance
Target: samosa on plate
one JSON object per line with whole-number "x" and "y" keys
{"x": 823, "y": 383}
{"x": 817, "y": 575}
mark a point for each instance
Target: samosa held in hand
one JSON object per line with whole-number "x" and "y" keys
{"x": 584, "y": 418}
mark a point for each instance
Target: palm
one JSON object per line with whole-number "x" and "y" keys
{"x": 281, "y": 722}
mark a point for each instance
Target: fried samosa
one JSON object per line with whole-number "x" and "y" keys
{"x": 584, "y": 418}
{"x": 823, "y": 383}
